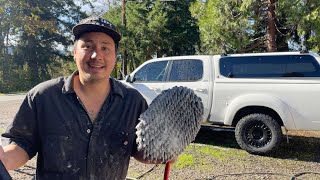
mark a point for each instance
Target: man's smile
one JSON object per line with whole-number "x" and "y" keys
{"x": 92, "y": 65}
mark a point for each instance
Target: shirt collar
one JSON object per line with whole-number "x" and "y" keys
{"x": 68, "y": 85}
{"x": 116, "y": 87}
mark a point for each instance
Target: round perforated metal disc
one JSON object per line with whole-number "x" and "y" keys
{"x": 171, "y": 122}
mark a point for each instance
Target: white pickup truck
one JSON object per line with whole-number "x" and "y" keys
{"x": 256, "y": 93}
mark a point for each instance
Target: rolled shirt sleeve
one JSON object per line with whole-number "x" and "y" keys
{"x": 22, "y": 131}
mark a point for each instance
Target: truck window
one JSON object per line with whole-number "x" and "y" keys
{"x": 186, "y": 70}
{"x": 151, "y": 72}
{"x": 269, "y": 66}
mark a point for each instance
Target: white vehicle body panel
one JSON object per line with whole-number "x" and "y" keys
{"x": 295, "y": 99}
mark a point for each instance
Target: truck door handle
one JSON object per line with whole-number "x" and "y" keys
{"x": 156, "y": 89}
{"x": 199, "y": 89}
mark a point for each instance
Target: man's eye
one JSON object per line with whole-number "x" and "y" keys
{"x": 88, "y": 47}
{"x": 105, "y": 49}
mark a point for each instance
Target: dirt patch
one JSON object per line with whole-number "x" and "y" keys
{"x": 216, "y": 155}
{"x": 315, "y": 134}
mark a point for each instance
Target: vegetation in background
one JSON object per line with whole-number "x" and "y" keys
{"x": 35, "y": 36}
{"x": 240, "y": 26}
{"x": 34, "y": 40}
{"x": 155, "y": 28}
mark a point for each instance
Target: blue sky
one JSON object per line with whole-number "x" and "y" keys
{"x": 99, "y": 6}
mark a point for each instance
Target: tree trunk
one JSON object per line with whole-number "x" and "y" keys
{"x": 131, "y": 64}
{"x": 5, "y": 56}
{"x": 124, "y": 23}
{"x": 115, "y": 69}
{"x": 1, "y": 52}
{"x": 32, "y": 60}
{"x": 271, "y": 27}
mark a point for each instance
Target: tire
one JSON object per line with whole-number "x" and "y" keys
{"x": 258, "y": 133}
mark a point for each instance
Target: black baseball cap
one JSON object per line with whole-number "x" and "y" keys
{"x": 96, "y": 24}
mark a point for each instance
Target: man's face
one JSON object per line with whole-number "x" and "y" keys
{"x": 95, "y": 56}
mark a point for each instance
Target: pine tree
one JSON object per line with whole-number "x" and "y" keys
{"x": 41, "y": 32}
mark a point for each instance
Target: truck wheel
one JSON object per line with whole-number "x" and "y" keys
{"x": 258, "y": 133}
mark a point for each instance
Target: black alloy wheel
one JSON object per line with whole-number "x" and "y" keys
{"x": 258, "y": 133}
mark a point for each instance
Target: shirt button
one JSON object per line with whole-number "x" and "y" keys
{"x": 88, "y": 131}
{"x": 125, "y": 143}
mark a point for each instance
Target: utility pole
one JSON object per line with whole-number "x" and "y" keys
{"x": 124, "y": 23}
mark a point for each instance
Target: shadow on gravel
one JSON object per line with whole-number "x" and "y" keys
{"x": 217, "y": 137}
{"x": 299, "y": 147}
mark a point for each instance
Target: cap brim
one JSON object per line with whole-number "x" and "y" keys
{"x": 78, "y": 30}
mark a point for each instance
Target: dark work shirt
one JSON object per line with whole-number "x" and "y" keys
{"x": 53, "y": 123}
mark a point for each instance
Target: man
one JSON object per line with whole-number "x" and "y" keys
{"x": 81, "y": 126}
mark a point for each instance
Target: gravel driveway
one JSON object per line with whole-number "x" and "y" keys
{"x": 214, "y": 155}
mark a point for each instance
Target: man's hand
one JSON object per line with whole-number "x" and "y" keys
{"x": 13, "y": 156}
{"x": 1, "y": 153}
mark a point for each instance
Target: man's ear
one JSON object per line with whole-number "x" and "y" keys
{"x": 74, "y": 54}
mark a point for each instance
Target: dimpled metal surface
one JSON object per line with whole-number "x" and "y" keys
{"x": 171, "y": 122}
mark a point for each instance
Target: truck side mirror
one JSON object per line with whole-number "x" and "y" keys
{"x": 128, "y": 78}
